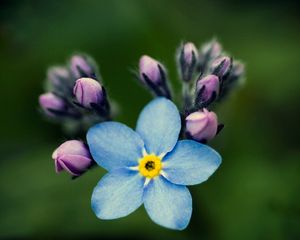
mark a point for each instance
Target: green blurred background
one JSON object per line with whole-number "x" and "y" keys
{"x": 256, "y": 192}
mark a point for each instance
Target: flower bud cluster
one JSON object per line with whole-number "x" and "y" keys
{"x": 74, "y": 92}
{"x": 207, "y": 74}
{"x": 214, "y": 61}
{"x": 218, "y": 75}
{"x": 74, "y": 96}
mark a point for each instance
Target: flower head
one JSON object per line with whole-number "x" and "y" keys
{"x": 72, "y": 156}
{"x": 149, "y": 166}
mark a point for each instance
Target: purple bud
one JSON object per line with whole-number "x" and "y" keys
{"x": 207, "y": 86}
{"x": 202, "y": 125}
{"x": 221, "y": 66}
{"x": 187, "y": 60}
{"x": 49, "y": 101}
{"x": 58, "y": 74}
{"x": 88, "y": 91}
{"x": 189, "y": 50}
{"x": 212, "y": 49}
{"x": 150, "y": 67}
{"x": 81, "y": 67}
{"x": 72, "y": 156}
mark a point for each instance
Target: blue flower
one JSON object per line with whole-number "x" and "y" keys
{"x": 149, "y": 166}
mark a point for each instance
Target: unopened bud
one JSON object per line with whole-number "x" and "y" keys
{"x": 202, "y": 125}
{"x": 52, "y": 104}
{"x": 207, "y": 88}
{"x": 151, "y": 69}
{"x": 211, "y": 49}
{"x": 208, "y": 53}
{"x": 153, "y": 74}
{"x": 187, "y": 60}
{"x": 81, "y": 66}
{"x": 221, "y": 66}
{"x": 238, "y": 69}
{"x": 60, "y": 79}
{"x": 72, "y": 156}
{"x": 88, "y": 92}
{"x": 57, "y": 74}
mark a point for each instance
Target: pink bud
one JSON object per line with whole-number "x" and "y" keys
{"x": 49, "y": 101}
{"x": 72, "y": 156}
{"x": 149, "y": 67}
{"x": 87, "y": 91}
{"x": 202, "y": 125}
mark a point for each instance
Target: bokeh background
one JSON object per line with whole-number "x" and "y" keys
{"x": 256, "y": 192}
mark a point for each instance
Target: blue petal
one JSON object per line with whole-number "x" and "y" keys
{"x": 114, "y": 145}
{"x": 167, "y": 204}
{"x": 190, "y": 163}
{"x": 118, "y": 194}
{"x": 159, "y": 126}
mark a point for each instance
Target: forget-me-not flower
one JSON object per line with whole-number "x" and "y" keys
{"x": 149, "y": 166}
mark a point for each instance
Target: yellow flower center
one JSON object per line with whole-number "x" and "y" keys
{"x": 150, "y": 165}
